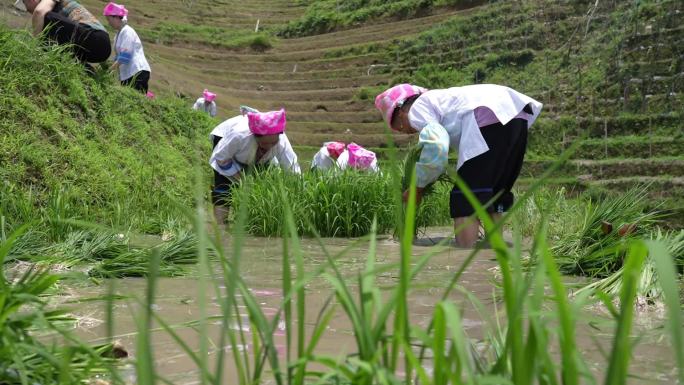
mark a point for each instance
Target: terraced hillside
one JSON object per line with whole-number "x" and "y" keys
{"x": 610, "y": 73}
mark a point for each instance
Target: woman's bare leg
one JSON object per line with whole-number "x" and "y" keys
{"x": 466, "y": 229}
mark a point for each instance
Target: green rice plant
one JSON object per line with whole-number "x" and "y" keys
{"x": 554, "y": 203}
{"x": 174, "y": 255}
{"x": 341, "y": 204}
{"x": 110, "y": 254}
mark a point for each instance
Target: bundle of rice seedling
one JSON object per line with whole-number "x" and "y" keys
{"x": 134, "y": 262}
{"x": 589, "y": 250}
{"x": 181, "y": 249}
{"x": 649, "y": 288}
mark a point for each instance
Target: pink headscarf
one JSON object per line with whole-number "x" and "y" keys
{"x": 359, "y": 157}
{"x": 208, "y": 96}
{"x": 335, "y": 149}
{"x": 114, "y": 9}
{"x": 267, "y": 123}
{"x": 394, "y": 97}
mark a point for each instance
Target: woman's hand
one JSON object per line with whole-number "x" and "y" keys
{"x": 419, "y": 195}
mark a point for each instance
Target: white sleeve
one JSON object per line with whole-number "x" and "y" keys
{"x": 321, "y": 161}
{"x": 287, "y": 157}
{"x": 126, "y": 40}
{"x": 226, "y": 149}
{"x": 423, "y": 112}
{"x": 374, "y": 165}
{"x": 434, "y": 141}
{"x": 198, "y": 104}
{"x": 343, "y": 160}
{"x": 213, "y": 109}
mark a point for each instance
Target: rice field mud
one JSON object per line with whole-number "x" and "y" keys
{"x": 178, "y": 298}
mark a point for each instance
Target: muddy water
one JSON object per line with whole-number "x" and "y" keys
{"x": 178, "y": 302}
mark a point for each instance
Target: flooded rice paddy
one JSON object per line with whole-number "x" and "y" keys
{"x": 178, "y": 303}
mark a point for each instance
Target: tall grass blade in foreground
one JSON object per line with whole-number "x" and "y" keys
{"x": 667, "y": 278}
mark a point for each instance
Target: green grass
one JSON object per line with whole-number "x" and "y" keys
{"x": 329, "y": 15}
{"x": 170, "y": 32}
{"x": 543, "y": 54}
{"x": 80, "y": 147}
{"x": 25, "y": 313}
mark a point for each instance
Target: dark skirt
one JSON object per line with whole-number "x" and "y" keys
{"x": 221, "y": 192}
{"x": 139, "y": 81}
{"x": 493, "y": 173}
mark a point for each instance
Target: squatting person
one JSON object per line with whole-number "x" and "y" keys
{"x": 68, "y": 22}
{"x": 206, "y": 103}
{"x": 487, "y": 124}
{"x": 249, "y": 140}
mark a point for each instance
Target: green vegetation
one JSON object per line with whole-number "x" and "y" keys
{"x": 341, "y": 204}
{"x": 328, "y": 15}
{"x": 75, "y": 148}
{"x": 168, "y": 33}
{"x": 589, "y": 236}
{"x": 25, "y": 357}
{"x": 107, "y": 255}
{"x": 388, "y": 347}
{"x": 80, "y": 147}
{"x": 545, "y": 54}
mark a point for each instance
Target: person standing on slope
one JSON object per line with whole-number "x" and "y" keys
{"x": 486, "y": 123}
{"x": 130, "y": 61}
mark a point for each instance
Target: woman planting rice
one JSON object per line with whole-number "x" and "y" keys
{"x": 335, "y": 155}
{"x": 248, "y": 140}
{"x": 486, "y": 123}
{"x": 130, "y": 61}
{"x": 358, "y": 158}
{"x": 206, "y": 103}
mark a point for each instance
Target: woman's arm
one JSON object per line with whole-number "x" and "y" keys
{"x": 227, "y": 148}
{"x": 38, "y": 16}
{"x": 287, "y": 158}
{"x": 434, "y": 156}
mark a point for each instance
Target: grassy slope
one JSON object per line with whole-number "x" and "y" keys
{"x": 86, "y": 148}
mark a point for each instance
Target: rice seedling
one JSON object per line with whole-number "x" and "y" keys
{"x": 339, "y": 204}
{"x": 174, "y": 255}
{"x": 649, "y": 289}
{"x": 109, "y": 254}
{"x": 589, "y": 251}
